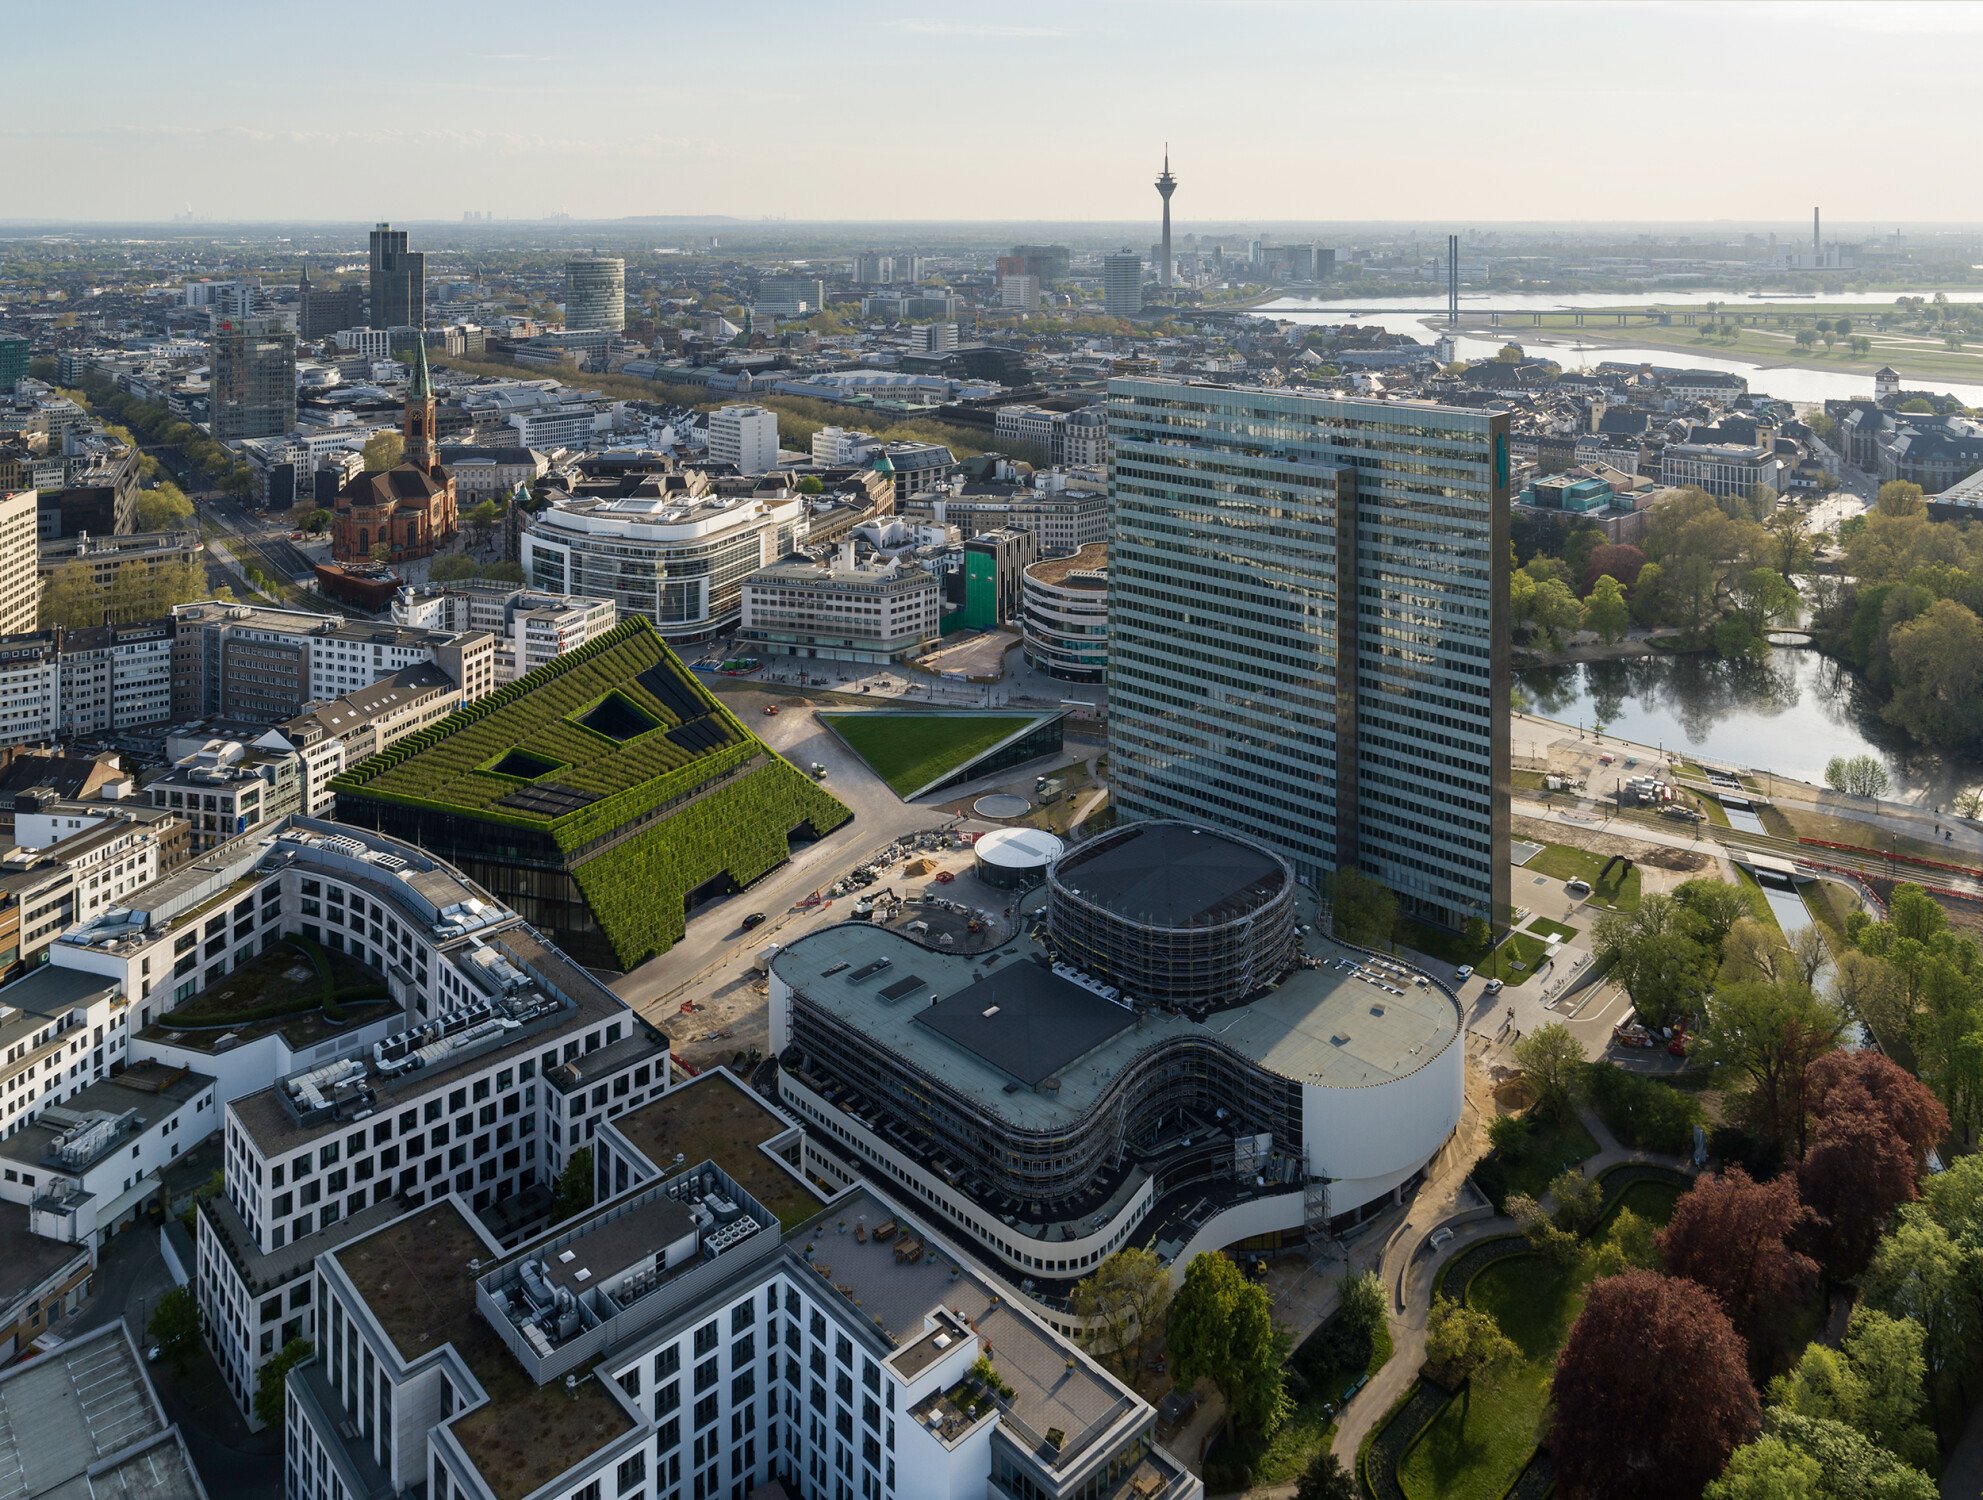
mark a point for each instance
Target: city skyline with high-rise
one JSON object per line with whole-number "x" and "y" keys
{"x": 1308, "y": 631}
{"x": 398, "y": 281}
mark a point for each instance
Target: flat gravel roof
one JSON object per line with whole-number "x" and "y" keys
{"x": 1025, "y": 1020}
{"x": 1172, "y": 875}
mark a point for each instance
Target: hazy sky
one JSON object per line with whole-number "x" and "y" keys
{"x": 1275, "y": 109}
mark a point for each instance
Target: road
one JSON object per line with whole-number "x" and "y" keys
{"x": 714, "y": 940}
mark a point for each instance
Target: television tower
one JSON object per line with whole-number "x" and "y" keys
{"x": 1166, "y": 185}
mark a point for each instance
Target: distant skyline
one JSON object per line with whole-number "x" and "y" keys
{"x": 1275, "y": 110}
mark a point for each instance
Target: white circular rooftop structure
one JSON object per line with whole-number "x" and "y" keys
{"x": 1012, "y": 857}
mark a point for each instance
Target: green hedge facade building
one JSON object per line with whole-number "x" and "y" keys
{"x": 601, "y": 797}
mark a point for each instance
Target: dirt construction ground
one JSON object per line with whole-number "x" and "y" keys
{"x": 1661, "y": 866}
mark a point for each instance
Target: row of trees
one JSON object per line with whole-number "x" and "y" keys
{"x": 155, "y": 424}
{"x": 1917, "y": 983}
{"x": 72, "y": 597}
{"x": 1659, "y": 1388}
{"x": 1906, "y": 609}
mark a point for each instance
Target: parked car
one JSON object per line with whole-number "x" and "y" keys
{"x": 1463, "y": 973}
{"x": 1493, "y": 986}
{"x": 771, "y": 710}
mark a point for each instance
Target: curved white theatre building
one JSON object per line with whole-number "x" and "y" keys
{"x": 1055, "y": 1117}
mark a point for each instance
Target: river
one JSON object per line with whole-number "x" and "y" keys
{"x": 1787, "y": 713}
{"x": 1788, "y": 382}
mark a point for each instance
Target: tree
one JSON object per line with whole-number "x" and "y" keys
{"x": 1768, "y": 1469}
{"x": 72, "y": 598}
{"x": 1123, "y": 1302}
{"x": 1325, "y": 1478}
{"x": 1855, "y": 1173}
{"x": 1552, "y": 1061}
{"x": 1849, "y": 1465}
{"x": 1857, "y": 775}
{"x": 1560, "y": 1248}
{"x": 1465, "y": 1344}
{"x": 1770, "y": 1033}
{"x": 811, "y": 485}
{"x": 1733, "y": 1235}
{"x": 1867, "y": 1080}
{"x": 1936, "y": 665}
{"x": 1806, "y": 338}
{"x": 1663, "y": 969}
{"x": 1887, "y": 1356}
{"x": 1579, "y": 1202}
{"x": 269, "y": 1382}
{"x": 1872, "y": 989}
{"x": 175, "y": 1327}
{"x": 1363, "y": 909}
{"x": 1606, "y": 612}
{"x": 1927, "y": 1274}
{"x": 451, "y": 566}
{"x": 1708, "y": 909}
{"x": 382, "y": 451}
{"x": 1899, "y": 497}
{"x": 1651, "y": 1392}
{"x": 162, "y": 507}
{"x": 573, "y": 1191}
{"x": 1621, "y": 560}
{"x": 1362, "y": 1304}
{"x": 1221, "y": 1329}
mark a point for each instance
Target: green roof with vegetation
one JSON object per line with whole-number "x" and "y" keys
{"x": 606, "y": 736}
{"x": 910, "y": 751}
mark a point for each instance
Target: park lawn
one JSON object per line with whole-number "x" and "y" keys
{"x": 1759, "y": 906}
{"x": 1562, "y": 862}
{"x": 1518, "y": 948}
{"x": 1549, "y": 1147}
{"x": 1478, "y": 1458}
{"x": 909, "y": 751}
{"x": 1831, "y": 903}
{"x": 1544, "y": 927}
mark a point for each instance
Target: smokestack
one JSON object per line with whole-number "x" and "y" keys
{"x": 1817, "y": 245}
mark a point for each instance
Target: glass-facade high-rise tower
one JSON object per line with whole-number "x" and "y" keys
{"x": 399, "y": 281}
{"x": 1308, "y": 631}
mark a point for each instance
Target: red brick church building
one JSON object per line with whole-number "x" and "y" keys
{"x": 409, "y": 509}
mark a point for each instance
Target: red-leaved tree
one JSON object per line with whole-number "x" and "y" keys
{"x": 1732, "y": 1235}
{"x": 1621, "y": 560}
{"x": 1855, "y": 1173}
{"x": 1651, "y": 1394}
{"x": 1896, "y": 1095}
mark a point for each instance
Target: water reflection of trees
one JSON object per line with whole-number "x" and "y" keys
{"x": 1840, "y": 715}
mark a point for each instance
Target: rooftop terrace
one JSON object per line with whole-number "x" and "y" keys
{"x": 717, "y": 1119}
{"x": 1341, "y": 1024}
{"x": 416, "y": 1278}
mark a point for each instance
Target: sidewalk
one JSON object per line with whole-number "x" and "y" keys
{"x": 1409, "y": 1274}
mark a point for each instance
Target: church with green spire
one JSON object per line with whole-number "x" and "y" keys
{"x": 407, "y": 511}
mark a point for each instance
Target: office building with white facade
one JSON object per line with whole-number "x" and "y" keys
{"x": 530, "y": 628}
{"x": 1122, "y": 284}
{"x": 840, "y": 610}
{"x": 20, "y": 558}
{"x": 246, "y": 661}
{"x": 712, "y": 1328}
{"x": 1173, "y": 1057}
{"x": 1308, "y": 611}
{"x": 746, "y": 436}
{"x": 680, "y": 561}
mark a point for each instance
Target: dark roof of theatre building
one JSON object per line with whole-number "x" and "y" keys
{"x": 1026, "y": 1021}
{"x": 1172, "y": 875}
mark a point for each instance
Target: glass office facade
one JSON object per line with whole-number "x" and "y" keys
{"x": 1308, "y": 628}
